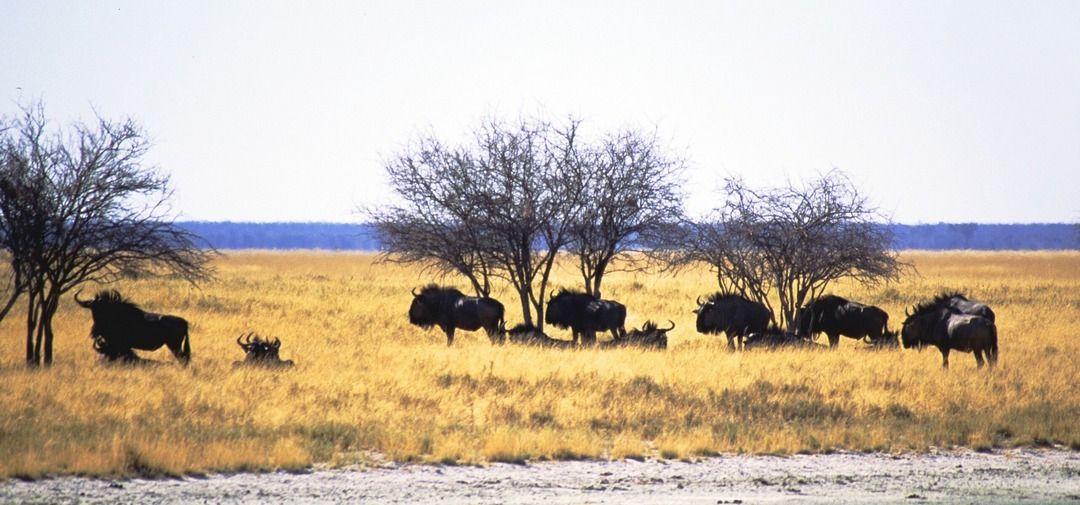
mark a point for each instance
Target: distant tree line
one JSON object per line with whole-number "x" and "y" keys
{"x": 363, "y": 237}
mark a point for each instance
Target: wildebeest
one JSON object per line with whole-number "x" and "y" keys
{"x": 450, "y": 309}
{"x": 124, "y": 325}
{"x": 732, "y": 315}
{"x": 260, "y": 351}
{"x": 835, "y": 316}
{"x": 527, "y": 334}
{"x": 122, "y": 355}
{"x": 648, "y": 337}
{"x": 960, "y": 303}
{"x": 930, "y": 324}
{"x": 586, "y": 314}
{"x": 775, "y": 338}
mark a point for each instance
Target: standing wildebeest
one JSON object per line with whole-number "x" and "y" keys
{"x": 261, "y": 352}
{"x": 837, "y": 316}
{"x": 526, "y": 334}
{"x": 732, "y": 315}
{"x": 123, "y": 325}
{"x": 960, "y": 303}
{"x": 585, "y": 315}
{"x": 648, "y": 337}
{"x": 449, "y": 309}
{"x": 929, "y": 324}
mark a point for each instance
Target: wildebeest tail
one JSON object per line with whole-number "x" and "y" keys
{"x": 185, "y": 346}
{"x": 993, "y": 344}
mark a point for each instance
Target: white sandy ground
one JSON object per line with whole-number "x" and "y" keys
{"x": 1013, "y": 476}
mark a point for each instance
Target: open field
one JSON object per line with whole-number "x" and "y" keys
{"x": 368, "y": 385}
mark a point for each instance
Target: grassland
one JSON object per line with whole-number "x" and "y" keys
{"x": 367, "y": 385}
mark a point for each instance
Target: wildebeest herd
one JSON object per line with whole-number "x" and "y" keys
{"x": 949, "y": 321}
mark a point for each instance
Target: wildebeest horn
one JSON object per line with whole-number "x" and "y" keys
{"x": 247, "y": 340}
{"x": 277, "y": 343}
{"x": 84, "y": 303}
{"x": 699, "y": 302}
{"x": 672, "y": 326}
{"x": 414, "y": 292}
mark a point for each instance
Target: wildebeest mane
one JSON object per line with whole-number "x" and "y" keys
{"x": 113, "y": 297}
{"x": 943, "y": 298}
{"x": 721, "y": 296}
{"x": 435, "y": 289}
{"x": 830, "y": 300}
{"x": 923, "y": 309}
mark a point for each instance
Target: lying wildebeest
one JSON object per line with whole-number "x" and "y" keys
{"x": 648, "y": 337}
{"x": 125, "y": 326}
{"x": 527, "y": 334}
{"x": 960, "y": 303}
{"x": 121, "y": 355}
{"x": 930, "y": 324}
{"x": 585, "y": 315}
{"x": 835, "y": 316}
{"x": 775, "y": 338}
{"x": 260, "y": 351}
{"x": 732, "y": 315}
{"x": 449, "y": 309}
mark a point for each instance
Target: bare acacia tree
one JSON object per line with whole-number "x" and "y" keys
{"x": 437, "y": 224}
{"x": 632, "y": 194}
{"x": 500, "y": 208}
{"x": 81, "y": 206}
{"x": 784, "y": 246}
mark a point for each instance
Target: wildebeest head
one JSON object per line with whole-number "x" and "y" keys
{"x": 108, "y": 306}
{"x": 260, "y": 351}
{"x": 918, "y": 327}
{"x": 559, "y": 309}
{"x": 431, "y": 305}
{"x": 649, "y": 336}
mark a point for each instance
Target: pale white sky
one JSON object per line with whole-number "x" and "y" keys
{"x": 282, "y": 111}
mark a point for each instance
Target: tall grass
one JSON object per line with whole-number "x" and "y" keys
{"x": 367, "y": 385}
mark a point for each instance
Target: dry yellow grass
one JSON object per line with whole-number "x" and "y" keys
{"x": 368, "y": 383}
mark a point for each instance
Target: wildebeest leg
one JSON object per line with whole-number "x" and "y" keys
{"x": 588, "y": 338}
{"x": 834, "y": 340}
{"x": 945, "y": 359}
{"x": 731, "y": 342}
{"x": 978, "y": 358}
{"x": 449, "y": 335}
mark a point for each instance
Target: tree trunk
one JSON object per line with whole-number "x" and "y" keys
{"x": 31, "y": 324}
{"x": 46, "y": 323}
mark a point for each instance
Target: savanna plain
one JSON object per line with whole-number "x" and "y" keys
{"x": 368, "y": 387}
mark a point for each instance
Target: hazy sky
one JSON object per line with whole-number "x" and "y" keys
{"x": 938, "y": 110}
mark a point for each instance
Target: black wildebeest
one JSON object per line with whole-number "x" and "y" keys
{"x": 525, "y": 334}
{"x": 648, "y": 337}
{"x": 585, "y": 315}
{"x": 930, "y": 324}
{"x": 835, "y": 316}
{"x": 775, "y": 338}
{"x": 124, "y": 325}
{"x": 449, "y": 309}
{"x": 260, "y": 351}
{"x": 732, "y": 315}
{"x": 960, "y": 303}
{"x": 113, "y": 355}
